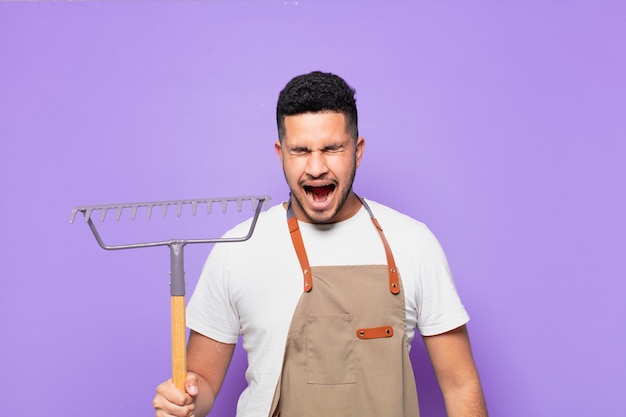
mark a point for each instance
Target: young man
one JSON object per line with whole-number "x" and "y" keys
{"x": 328, "y": 291}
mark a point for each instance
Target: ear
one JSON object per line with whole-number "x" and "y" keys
{"x": 279, "y": 150}
{"x": 360, "y": 147}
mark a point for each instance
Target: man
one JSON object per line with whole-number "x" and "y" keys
{"x": 328, "y": 291}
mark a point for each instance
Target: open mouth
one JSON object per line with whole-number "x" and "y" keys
{"x": 319, "y": 195}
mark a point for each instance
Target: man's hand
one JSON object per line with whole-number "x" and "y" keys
{"x": 170, "y": 401}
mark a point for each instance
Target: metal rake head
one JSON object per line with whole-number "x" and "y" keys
{"x": 223, "y": 202}
{"x": 257, "y": 203}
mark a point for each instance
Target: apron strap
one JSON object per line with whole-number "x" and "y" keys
{"x": 394, "y": 282}
{"x": 298, "y": 244}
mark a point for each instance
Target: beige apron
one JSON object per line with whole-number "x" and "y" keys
{"x": 347, "y": 353}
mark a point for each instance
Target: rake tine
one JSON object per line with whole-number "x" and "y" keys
{"x": 179, "y": 208}
{"x": 133, "y": 213}
{"x": 149, "y": 211}
{"x": 224, "y": 205}
{"x": 194, "y": 207}
{"x": 164, "y": 209}
{"x": 84, "y": 211}
{"x": 103, "y": 214}
{"x": 239, "y": 201}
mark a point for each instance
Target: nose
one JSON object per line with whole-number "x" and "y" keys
{"x": 316, "y": 164}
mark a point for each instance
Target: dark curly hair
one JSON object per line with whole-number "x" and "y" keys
{"x": 317, "y": 92}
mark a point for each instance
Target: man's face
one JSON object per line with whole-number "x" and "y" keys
{"x": 319, "y": 161}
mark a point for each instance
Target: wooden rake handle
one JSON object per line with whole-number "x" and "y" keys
{"x": 179, "y": 356}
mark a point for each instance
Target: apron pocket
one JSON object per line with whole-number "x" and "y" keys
{"x": 330, "y": 349}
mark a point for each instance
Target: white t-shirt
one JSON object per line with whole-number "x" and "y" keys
{"x": 252, "y": 288}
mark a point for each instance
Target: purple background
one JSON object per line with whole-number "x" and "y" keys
{"x": 501, "y": 124}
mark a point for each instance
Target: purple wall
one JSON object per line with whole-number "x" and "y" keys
{"x": 501, "y": 124}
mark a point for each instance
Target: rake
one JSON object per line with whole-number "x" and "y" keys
{"x": 177, "y": 271}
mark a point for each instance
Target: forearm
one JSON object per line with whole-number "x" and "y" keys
{"x": 208, "y": 359}
{"x": 465, "y": 401}
{"x": 452, "y": 360}
{"x": 205, "y": 398}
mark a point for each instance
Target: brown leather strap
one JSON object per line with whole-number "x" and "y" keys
{"x": 375, "y": 332}
{"x": 298, "y": 244}
{"x": 394, "y": 282}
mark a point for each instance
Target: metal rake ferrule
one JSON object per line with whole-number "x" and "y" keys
{"x": 256, "y": 201}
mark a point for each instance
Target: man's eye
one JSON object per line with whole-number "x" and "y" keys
{"x": 335, "y": 149}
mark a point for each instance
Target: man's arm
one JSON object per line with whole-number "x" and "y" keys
{"x": 207, "y": 363}
{"x": 452, "y": 360}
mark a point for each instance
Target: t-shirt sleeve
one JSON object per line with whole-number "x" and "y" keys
{"x": 210, "y": 311}
{"x": 439, "y": 306}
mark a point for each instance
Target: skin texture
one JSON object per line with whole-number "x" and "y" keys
{"x": 317, "y": 153}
